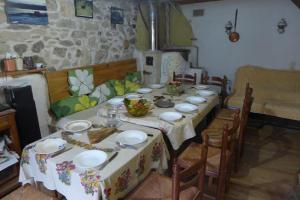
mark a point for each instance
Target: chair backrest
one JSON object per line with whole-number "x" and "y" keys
{"x": 186, "y": 78}
{"x": 191, "y": 176}
{"x": 227, "y": 151}
{"x": 218, "y": 81}
{"x": 248, "y": 101}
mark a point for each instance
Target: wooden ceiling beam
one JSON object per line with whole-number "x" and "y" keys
{"x": 193, "y": 1}
{"x": 297, "y": 2}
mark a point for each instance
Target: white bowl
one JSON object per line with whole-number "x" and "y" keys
{"x": 195, "y": 100}
{"x": 170, "y": 116}
{"x": 156, "y": 86}
{"x": 89, "y": 159}
{"x": 206, "y": 93}
{"x": 144, "y": 90}
{"x": 133, "y": 96}
{"x": 201, "y": 87}
{"x": 50, "y": 145}
{"x": 186, "y": 107}
{"x": 131, "y": 137}
{"x": 116, "y": 101}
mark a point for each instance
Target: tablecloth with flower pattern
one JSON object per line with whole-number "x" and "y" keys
{"x": 114, "y": 181}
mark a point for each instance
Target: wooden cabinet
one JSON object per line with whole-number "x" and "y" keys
{"x": 9, "y": 176}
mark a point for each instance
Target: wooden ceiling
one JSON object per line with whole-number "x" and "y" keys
{"x": 194, "y": 1}
{"x": 297, "y": 2}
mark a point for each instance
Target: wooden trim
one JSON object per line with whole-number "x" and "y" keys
{"x": 22, "y": 72}
{"x": 58, "y": 86}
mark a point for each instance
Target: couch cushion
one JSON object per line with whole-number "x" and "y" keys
{"x": 81, "y": 81}
{"x": 283, "y": 109}
{"x": 72, "y": 105}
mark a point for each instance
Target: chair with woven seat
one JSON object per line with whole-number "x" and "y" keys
{"x": 187, "y": 183}
{"x": 219, "y": 160}
{"x": 218, "y": 123}
{"x": 216, "y": 81}
{"x": 186, "y": 78}
{"x": 228, "y": 113}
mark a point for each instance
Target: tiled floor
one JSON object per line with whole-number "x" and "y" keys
{"x": 268, "y": 170}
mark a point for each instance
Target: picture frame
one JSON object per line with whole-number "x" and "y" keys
{"x": 83, "y": 8}
{"x": 117, "y": 15}
{"x": 25, "y": 12}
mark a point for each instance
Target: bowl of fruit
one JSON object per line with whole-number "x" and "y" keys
{"x": 137, "y": 107}
{"x": 175, "y": 88}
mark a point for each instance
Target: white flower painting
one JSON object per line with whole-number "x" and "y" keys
{"x": 81, "y": 82}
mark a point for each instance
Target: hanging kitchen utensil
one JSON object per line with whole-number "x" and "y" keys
{"x": 234, "y": 36}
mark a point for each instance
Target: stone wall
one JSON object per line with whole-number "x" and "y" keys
{"x": 70, "y": 41}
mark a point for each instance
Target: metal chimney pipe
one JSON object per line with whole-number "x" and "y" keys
{"x": 153, "y": 25}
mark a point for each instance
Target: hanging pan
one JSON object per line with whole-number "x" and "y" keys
{"x": 234, "y": 36}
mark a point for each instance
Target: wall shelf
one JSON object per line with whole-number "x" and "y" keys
{"x": 22, "y": 72}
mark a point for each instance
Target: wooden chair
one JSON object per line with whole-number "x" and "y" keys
{"x": 228, "y": 113}
{"x": 187, "y": 183}
{"x": 226, "y": 117}
{"x": 217, "y": 81}
{"x": 219, "y": 160}
{"x": 186, "y": 78}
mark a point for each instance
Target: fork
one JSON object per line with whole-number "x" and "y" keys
{"x": 126, "y": 146}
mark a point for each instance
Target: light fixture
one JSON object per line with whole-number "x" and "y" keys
{"x": 228, "y": 27}
{"x": 282, "y": 24}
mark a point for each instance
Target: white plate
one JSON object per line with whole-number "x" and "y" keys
{"x": 170, "y": 116}
{"x": 89, "y": 159}
{"x": 195, "y": 99}
{"x": 144, "y": 90}
{"x": 131, "y": 137}
{"x": 50, "y": 146}
{"x": 186, "y": 107}
{"x": 156, "y": 86}
{"x": 205, "y": 93}
{"x": 201, "y": 87}
{"x": 133, "y": 96}
{"x": 116, "y": 101}
{"x": 77, "y": 126}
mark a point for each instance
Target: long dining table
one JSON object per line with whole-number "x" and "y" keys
{"x": 130, "y": 166}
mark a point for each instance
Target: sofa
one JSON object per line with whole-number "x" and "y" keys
{"x": 276, "y": 92}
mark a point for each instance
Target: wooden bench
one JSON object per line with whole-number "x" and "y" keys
{"x": 58, "y": 86}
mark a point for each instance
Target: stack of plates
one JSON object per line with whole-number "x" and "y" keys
{"x": 90, "y": 159}
{"x": 131, "y": 137}
{"x": 186, "y": 107}
{"x": 50, "y": 146}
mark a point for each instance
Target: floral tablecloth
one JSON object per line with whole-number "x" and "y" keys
{"x": 114, "y": 181}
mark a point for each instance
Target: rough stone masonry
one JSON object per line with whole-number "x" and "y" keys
{"x": 69, "y": 41}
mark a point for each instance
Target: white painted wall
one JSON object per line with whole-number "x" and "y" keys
{"x": 260, "y": 43}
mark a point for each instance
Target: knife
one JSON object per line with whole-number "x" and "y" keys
{"x": 61, "y": 151}
{"x": 109, "y": 160}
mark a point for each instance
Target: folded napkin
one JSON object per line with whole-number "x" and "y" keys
{"x": 96, "y": 136}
